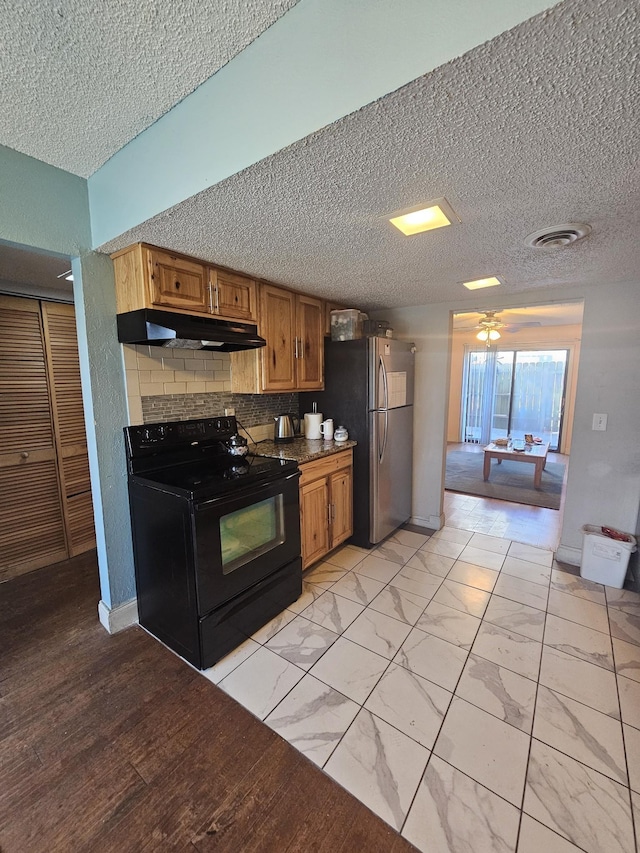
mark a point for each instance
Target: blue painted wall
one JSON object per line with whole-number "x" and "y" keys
{"x": 46, "y": 209}
{"x": 41, "y": 206}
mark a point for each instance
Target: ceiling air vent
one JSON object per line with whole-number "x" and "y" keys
{"x": 561, "y": 235}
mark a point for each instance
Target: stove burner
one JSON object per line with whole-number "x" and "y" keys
{"x": 236, "y": 471}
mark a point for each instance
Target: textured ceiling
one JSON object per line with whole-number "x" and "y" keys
{"x": 81, "y": 79}
{"x": 538, "y": 127}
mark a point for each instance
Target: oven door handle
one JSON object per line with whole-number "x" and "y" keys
{"x": 251, "y": 489}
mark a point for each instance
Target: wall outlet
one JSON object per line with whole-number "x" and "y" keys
{"x": 229, "y": 412}
{"x": 599, "y": 422}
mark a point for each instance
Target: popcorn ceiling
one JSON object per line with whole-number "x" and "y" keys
{"x": 94, "y": 75}
{"x": 537, "y": 127}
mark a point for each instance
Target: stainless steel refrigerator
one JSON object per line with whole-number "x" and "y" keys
{"x": 369, "y": 390}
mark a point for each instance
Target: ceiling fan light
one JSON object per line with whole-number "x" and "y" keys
{"x": 487, "y": 335}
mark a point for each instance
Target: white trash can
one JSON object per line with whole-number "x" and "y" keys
{"x": 605, "y": 555}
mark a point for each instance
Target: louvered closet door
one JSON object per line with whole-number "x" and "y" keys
{"x": 32, "y": 532}
{"x": 68, "y": 419}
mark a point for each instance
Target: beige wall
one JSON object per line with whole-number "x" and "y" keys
{"x": 153, "y": 371}
{"x": 547, "y": 337}
{"x": 603, "y": 477}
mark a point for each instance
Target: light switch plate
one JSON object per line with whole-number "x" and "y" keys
{"x": 599, "y": 422}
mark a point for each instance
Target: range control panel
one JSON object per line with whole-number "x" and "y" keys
{"x": 177, "y": 435}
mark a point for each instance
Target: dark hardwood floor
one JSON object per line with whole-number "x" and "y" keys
{"x": 112, "y": 743}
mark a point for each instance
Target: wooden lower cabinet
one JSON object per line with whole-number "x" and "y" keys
{"x": 326, "y": 505}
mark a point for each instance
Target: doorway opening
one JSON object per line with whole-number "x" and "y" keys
{"x": 519, "y": 383}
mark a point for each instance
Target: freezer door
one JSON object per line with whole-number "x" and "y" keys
{"x": 391, "y": 470}
{"x": 391, "y": 373}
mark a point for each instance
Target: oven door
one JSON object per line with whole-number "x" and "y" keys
{"x": 244, "y": 537}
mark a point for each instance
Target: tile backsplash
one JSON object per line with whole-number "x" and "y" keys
{"x": 182, "y": 384}
{"x": 251, "y": 409}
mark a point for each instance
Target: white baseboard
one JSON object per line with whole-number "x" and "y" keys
{"x": 572, "y": 556}
{"x": 433, "y": 522}
{"x": 118, "y": 618}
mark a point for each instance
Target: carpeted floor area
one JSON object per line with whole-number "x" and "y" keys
{"x": 509, "y": 481}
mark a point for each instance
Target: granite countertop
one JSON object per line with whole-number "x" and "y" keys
{"x": 301, "y": 449}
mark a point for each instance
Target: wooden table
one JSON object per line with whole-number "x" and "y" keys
{"x": 534, "y": 453}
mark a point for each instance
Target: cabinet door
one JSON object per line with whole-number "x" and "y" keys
{"x": 277, "y": 312}
{"x": 177, "y": 282}
{"x": 234, "y": 296}
{"x": 341, "y": 507}
{"x": 309, "y": 343}
{"x": 314, "y": 521}
{"x": 68, "y": 417}
{"x": 32, "y": 530}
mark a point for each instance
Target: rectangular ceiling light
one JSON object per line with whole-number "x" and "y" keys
{"x": 435, "y": 214}
{"x": 482, "y": 282}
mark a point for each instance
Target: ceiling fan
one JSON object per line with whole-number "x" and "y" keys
{"x": 490, "y": 323}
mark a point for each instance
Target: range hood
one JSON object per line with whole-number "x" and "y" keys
{"x": 184, "y": 331}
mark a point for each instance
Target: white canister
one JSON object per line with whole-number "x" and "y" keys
{"x": 312, "y": 421}
{"x": 341, "y": 434}
{"x": 326, "y": 429}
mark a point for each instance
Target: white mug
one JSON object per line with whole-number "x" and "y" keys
{"x": 326, "y": 429}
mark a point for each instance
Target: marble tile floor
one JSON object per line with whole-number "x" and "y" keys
{"x": 468, "y": 689}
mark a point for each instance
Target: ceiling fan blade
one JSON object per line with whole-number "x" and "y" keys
{"x": 515, "y": 327}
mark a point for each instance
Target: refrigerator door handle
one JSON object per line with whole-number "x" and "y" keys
{"x": 382, "y": 370}
{"x": 384, "y": 437}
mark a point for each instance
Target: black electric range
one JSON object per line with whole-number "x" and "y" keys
{"x": 216, "y": 536}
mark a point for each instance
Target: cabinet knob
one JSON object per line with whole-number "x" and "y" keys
{"x": 177, "y": 285}
{"x": 25, "y": 454}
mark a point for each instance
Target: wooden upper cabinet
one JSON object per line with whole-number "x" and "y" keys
{"x": 292, "y": 324}
{"x": 309, "y": 343}
{"x": 293, "y": 359}
{"x": 278, "y": 327}
{"x": 234, "y": 295}
{"x": 149, "y": 277}
{"x": 175, "y": 282}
